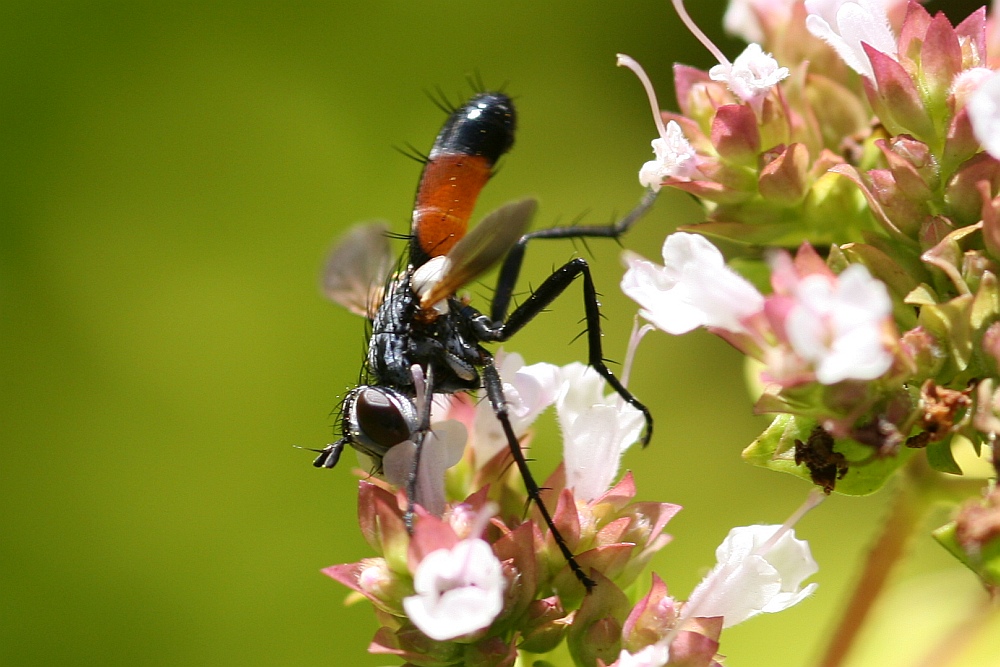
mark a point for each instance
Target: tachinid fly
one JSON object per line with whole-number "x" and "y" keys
{"x": 424, "y": 340}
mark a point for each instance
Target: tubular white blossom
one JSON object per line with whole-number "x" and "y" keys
{"x": 458, "y": 591}
{"x": 597, "y": 430}
{"x": 675, "y": 156}
{"x": 751, "y": 76}
{"x": 754, "y": 576}
{"x": 838, "y": 325}
{"x": 442, "y": 448}
{"x": 694, "y": 288}
{"x": 528, "y": 390}
{"x": 984, "y": 113}
{"x": 846, "y": 24}
{"x": 753, "y": 73}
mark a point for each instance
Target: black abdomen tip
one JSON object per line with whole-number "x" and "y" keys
{"x": 484, "y": 126}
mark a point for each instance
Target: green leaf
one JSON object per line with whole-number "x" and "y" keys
{"x": 940, "y": 457}
{"x": 868, "y": 477}
{"x": 774, "y": 449}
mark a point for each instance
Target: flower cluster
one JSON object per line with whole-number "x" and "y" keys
{"x": 478, "y": 581}
{"x": 862, "y": 135}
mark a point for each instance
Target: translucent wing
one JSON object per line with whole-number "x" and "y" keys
{"x": 482, "y": 248}
{"x": 357, "y": 268}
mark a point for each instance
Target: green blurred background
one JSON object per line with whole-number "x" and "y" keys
{"x": 171, "y": 176}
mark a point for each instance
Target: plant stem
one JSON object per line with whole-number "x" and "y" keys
{"x": 906, "y": 513}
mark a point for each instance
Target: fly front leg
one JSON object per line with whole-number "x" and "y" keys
{"x": 423, "y": 384}
{"x": 547, "y": 292}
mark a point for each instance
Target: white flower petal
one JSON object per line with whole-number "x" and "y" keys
{"x": 694, "y": 288}
{"x": 846, "y": 24}
{"x": 442, "y": 449}
{"x": 654, "y": 655}
{"x": 675, "y": 158}
{"x": 984, "y": 113}
{"x": 748, "y": 580}
{"x": 528, "y": 390}
{"x": 458, "y": 591}
{"x": 837, "y": 325}
{"x": 742, "y": 16}
{"x": 597, "y": 430}
{"x": 752, "y": 75}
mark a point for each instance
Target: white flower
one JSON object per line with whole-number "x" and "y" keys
{"x": 984, "y": 113}
{"x": 442, "y": 448}
{"x": 846, "y": 24}
{"x": 528, "y": 391}
{"x": 654, "y": 655}
{"x": 695, "y": 287}
{"x": 597, "y": 430}
{"x": 753, "y": 576}
{"x": 458, "y": 590}
{"x": 751, "y": 76}
{"x": 675, "y": 158}
{"x": 742, "y": 20}
{"x": 837, "y": 325}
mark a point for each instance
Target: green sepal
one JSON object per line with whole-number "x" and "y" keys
{"x": 949, "y": 322}
{"x": 986, "y": 305}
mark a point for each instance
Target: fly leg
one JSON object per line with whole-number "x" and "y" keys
{"x": 511, "y": 268}
{"x": 424, "y": 387}
{"x": 541, "y": 298}
{"x": 494, "y": 391}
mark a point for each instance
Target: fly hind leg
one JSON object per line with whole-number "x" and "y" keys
{"x": 540, "y": 299}
{"x": 515, "y": 257}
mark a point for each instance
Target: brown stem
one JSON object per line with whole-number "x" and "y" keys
{"x": 905, "y": 515}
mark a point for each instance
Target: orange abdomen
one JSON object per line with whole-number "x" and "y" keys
{"x": 448, "y": 192}
{"x": 458, "y": 166}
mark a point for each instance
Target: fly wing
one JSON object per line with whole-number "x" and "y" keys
{"x": 482, "y": 248}
{"x": 357, "y": 268}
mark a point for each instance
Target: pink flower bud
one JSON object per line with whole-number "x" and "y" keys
{"x": 896, "y": 97}
{"x": 964, "y": 193}
{"x": 651, "y": 618}
{"x": 785, "y": 179}
{"x": 735, "y": 135}
{"x": 545, "y": 627}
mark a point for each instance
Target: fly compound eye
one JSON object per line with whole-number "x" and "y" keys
{"x": 380, "y": 418}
